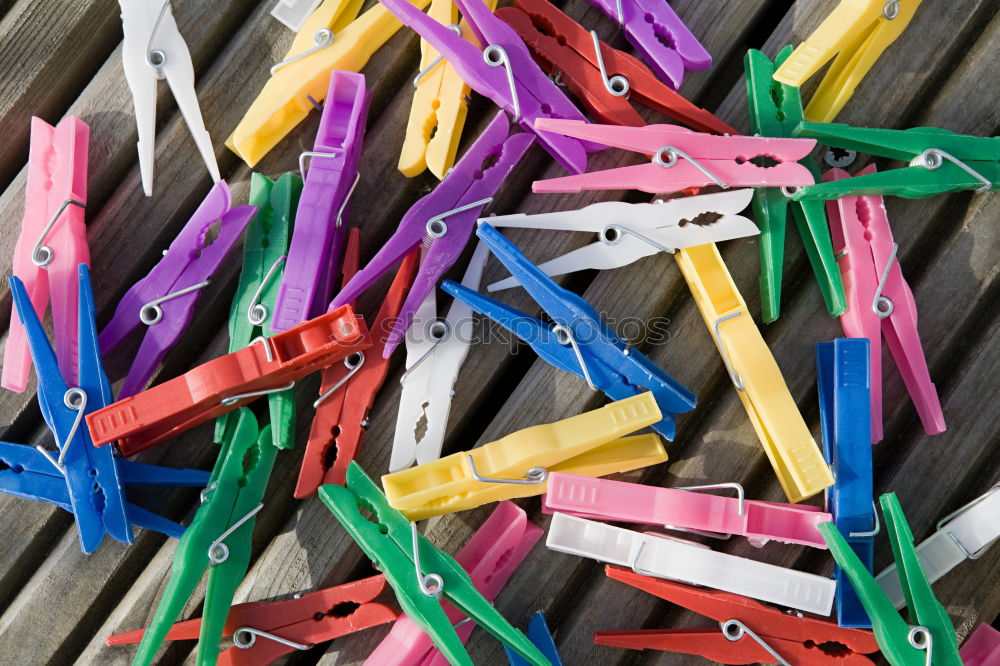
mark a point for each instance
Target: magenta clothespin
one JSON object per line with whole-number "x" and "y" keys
{"x": 316, "y": 248}
{"x": 52, "y": 243}
{"x": 502, "y": 70}
{"x": 164, "y": 300}
{"x": 490, "y": 557}
{"x": 442, "y": 221}
{"x": 879, "y": 299}
{"x": 681, "y": 159}
{"x": 685, "y": 510}
{"x": 982, "y": 648}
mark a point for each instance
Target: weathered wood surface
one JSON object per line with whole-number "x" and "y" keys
{"x": 59, "y": 57}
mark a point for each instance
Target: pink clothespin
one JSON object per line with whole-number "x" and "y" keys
{"x": 52, "y": 243}
{"x": 681, "y": 159}
{"x": 982, "y": 648}
{"x": 315, "y": 251}
{"x": 878, "y": 298}
{"x": 164, "y": 300}
{"x": 490, "y": 557}
{"x": 684, "y": 510}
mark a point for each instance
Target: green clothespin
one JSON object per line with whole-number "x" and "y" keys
{"x": 418, "y": 572}
{"x": 218, "y": 539}
{"x": 775, "y": 111}
{"x": 939, "y": 161}
{"x": 264, "y": 251}
{"x": 933, "y": 640}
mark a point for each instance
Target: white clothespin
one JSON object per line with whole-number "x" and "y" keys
{"x": 153, "y": 49}
{"x": 629, "y": 232}
{"x": 293, "y": 13}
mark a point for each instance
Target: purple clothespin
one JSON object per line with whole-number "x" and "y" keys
{"x": 164, "y": 300}
{"x": 442, "y": 221}
{"x": 657, "y": 32}
{"x": 317, "y": 242}
{"x": 503, "y": 71}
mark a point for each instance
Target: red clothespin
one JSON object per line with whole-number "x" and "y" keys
{"x": 228, "y": 382}
{"x": 264, "y": 631}
{"x": 348, "y": 389}
{"x": 749, "y": 631}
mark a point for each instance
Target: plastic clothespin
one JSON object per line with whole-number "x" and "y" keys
{"x": 844, "y": 404}
{"x": 225, "y": 383}
{"x": 794, "y": 455}
{"x": 153, "y": 50}
{"x": 932, "y": 640}
{"x": 604, "y": 79}
{"x": 317, "y": 243}
{"x": 938, "y": 161}
{"x": 89, "y": 483}
{"x": 396, "y": 547}
{"x": 293, "y": 13}
{"x": 593, "y": 443}
{"x": 347, "y": 390}
{"x": 579, "y": 342}
{"x": 982, "y": 648}
{"x": 539, "y": 634}
{"x": 490, "y": 557}
{"x": 628, "y": 232}
{"x": 502, "y": 70}
{"x": 685, "y": 510}
{"x": 748, "y": 631}
{"x": 775, "y": 111}
{"x": 668, "y": 557}
{"x": 963, "y": 534}
{"x": 442, "y": 222}
{"x": 164, "y": 300}
{"x": 334, "y": 37}
{"x": 880, "y": 302}
{"x": 435, "y": 351}
{"x": 47, "y": 253}
{"x": 857, "y": 32}
{"x": 681, "y": 159}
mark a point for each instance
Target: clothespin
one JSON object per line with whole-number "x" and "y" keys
{"x": 317, "y": 242}
{"x": 164, "y": 300}
{"x": 932, "y": 640}
{"x": 539, "y": 634}
{"x": 153, "y": 50}
{"x": 794, "y": 455}
{"x": 628, "y": 232}
{"x": 396, "y": 547}
{"x": 604, "y": 79}
{"x": 939, "y": 161}
{"x": 685, "y": 510}
{"x": 982, "y": 648}
{"x": 681, "y": 159}
{"x": 225, "y": 383}
{"x": 334, "y": 37}
{"x": 435, "y": 351}
{"x": 442, "y": 222}
{"x": 502, "y": 70}
{"x": 47, "y": 253}
{"x": 347, "y": 390}
{"x": 749, "y": 632}
{"x": 844, "y": 404}
{"x": 293, "y": 13}
{"x": 89, "y": 483}
{"x": 265, "y": 250}
{"x": 579, "y": 342}
{"x": 963, "y": 534}
{"x": 880, "y": 302}
{"x": 856, "y": 32}
{"x": 490, "y": 557}
{"x": 663, "y": 556}
{"x": 775, "y": 111}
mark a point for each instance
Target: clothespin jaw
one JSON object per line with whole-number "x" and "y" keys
{"x": 539, "y": 634}
{"x": 293, "y": 13}
{"x": 982, "y": 648}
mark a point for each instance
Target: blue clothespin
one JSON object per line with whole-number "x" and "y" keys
{"x": 580, "y": 342}
{"x": 539, "y": 634}
{"x": 845, "y": 404}
{"x": 79, "y": 477}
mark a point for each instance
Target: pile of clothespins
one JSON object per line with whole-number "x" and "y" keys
{"x": 292, "y": 315}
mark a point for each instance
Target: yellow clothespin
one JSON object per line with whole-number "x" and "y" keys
{"x": 333, "y": 37}
{"x": 793, "y": 453}
{"x": 519, "y": 464}
{"x": 857, "y": 32}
